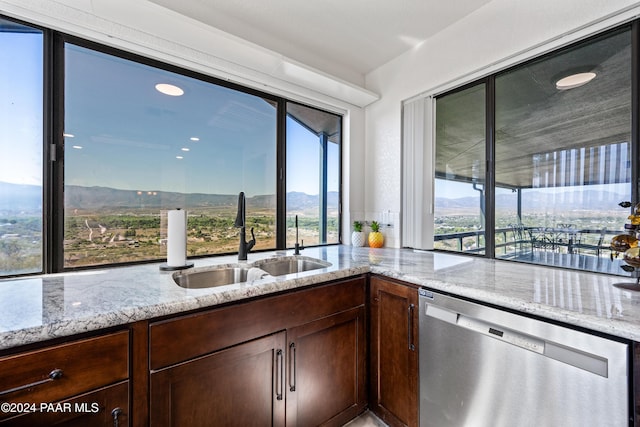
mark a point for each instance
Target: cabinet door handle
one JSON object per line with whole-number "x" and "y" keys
{"x": 116, "y": 416}
{"x": 53, "y": 375}
{"x": 410, "y": 310}
{"x": 279, "y": 374}
{"x": 292, "y": 366}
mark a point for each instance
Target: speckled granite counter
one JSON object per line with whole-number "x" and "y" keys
{"x": 43, "y": 307}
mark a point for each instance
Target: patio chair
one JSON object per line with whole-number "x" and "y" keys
{"x": 521, "y": 237}
{"x": 583, "y": 241}
{"x": 543, "y": 238}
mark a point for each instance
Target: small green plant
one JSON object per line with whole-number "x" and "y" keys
{"x": 375, "y": 227}
{"x": 357, "y": 226}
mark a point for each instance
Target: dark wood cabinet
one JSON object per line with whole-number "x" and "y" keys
{"x": 243, "y": 364}
{"x": 326, "y": 365}
{"x": 104, "y": 407}
{"x": 239, "y": 386}
{"x": 393, "y": 352}
{"x": 83, "y": 382}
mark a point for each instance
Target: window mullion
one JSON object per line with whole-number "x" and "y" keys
{"x": 490, "y": 181}
{"x": 635, "y": 112}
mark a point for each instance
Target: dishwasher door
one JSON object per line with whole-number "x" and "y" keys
{"x": 481, "y": 366}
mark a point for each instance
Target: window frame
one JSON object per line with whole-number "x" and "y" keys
{"x": 46, "y": 96}
{"x": 53, "y": 145}
{"x": 490, "y": 124}
{"x": 324, "y": 174}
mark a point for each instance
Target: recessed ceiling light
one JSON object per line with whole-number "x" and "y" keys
{"x": 68, "y": 135}
{"x": 194, "y": 138}
{"x": 179, "y": 157}
{"x": 184, "y": 149}
{"x": 168, "y": 89}
{"x": 78, "y": 147}
{"x": 574, "y": 80}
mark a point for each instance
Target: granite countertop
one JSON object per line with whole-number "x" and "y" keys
{"x": 43, "y": 307}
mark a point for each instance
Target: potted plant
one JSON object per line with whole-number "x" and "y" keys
{"x": 357, "y": 237}
{"x": 376, "y": 238}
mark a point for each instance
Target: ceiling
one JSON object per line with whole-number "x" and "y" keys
{"x": 545, "y": 137}
{"x": 347, "y": 39}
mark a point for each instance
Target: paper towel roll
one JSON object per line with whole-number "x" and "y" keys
{"x": 177, "y": 238}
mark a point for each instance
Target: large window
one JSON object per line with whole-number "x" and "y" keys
{"x": 460, "y": 171}
{"x": 562, "y": 156}
{"x": 313, "y": 175}
{"x": 127, "y": 139}
{"x": 134, "y": 150}
{"x": 21, "y": 145}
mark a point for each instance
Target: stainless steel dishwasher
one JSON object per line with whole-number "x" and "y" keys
{"x": 480, "y": 366}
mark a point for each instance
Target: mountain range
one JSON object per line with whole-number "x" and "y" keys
{"x": 28, "y": 198}
{"x": 542, "y": 201}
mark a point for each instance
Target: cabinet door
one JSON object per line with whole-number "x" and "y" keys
{"x": 326, "y": 383}
{"x": 106, "y": 407}
{"x": 393, "y": 349}
{"x": 239, "y": 386}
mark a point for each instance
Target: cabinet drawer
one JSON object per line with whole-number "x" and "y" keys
{"x": 176, "y": 340}
{"x": 61, "y": 371}
{"x": 108, "y": 406}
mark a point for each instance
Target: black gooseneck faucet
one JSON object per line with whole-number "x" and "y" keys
{"x": 245, "y": 246}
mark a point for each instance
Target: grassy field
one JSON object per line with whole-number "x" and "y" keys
{"x": 122, "y": 236}
{"x": 93, "y": 238}
{"x": 108, "y": 238}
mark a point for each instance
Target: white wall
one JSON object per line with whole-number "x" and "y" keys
{"x": 501, "y": 33}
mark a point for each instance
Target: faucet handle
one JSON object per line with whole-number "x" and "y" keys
{"x": 251, "y": 242}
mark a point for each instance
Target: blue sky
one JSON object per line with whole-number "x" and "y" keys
{"x": 21, "y": 108}
{"x": 123, "y": 133}
{"x": 134, "y": 137}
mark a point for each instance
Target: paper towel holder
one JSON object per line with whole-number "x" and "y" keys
{"x": 166, "y": 267}
{"x": 178, "y": 216}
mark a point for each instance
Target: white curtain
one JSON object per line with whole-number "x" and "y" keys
{"x": 418, "y": 150}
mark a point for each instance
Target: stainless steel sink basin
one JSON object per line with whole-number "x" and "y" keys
{"x": 218, "y": 276}
{"x": 290, "y": 264}
{"x": 208, "y": 277}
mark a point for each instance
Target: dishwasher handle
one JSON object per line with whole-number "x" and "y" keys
{"x": 572, "y": 356}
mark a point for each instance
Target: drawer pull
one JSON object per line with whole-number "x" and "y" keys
{"x": 116, "y": 416}
{"x": 292, "y": 367}
{"x": 56, "y": 374}
{"x": 280, "y": 374}
{"x": 410, "y": 310}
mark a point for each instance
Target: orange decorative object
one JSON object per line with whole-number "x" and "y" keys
{"x": 376, "y": 239}
{"x": 623, "y": 242}
{"x": 632, "y": 257}
{"x": 634, "y": 219}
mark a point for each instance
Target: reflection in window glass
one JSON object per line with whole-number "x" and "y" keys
{"x": 21, "y": 142}
{"x": 460, "y": 171}
{"x": 133, "y": 152}
{"x": 563, "y": 156}
{"x": 313, "y": 175}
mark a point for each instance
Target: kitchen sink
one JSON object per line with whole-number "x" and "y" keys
{"x": 209, "y": 277}
{"x": 290, "y": 264}
{"x": 218, "y": 276}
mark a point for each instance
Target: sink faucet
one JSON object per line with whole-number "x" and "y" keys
{"x": 297, "y": 246}
{"x": 245, "y": 246}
